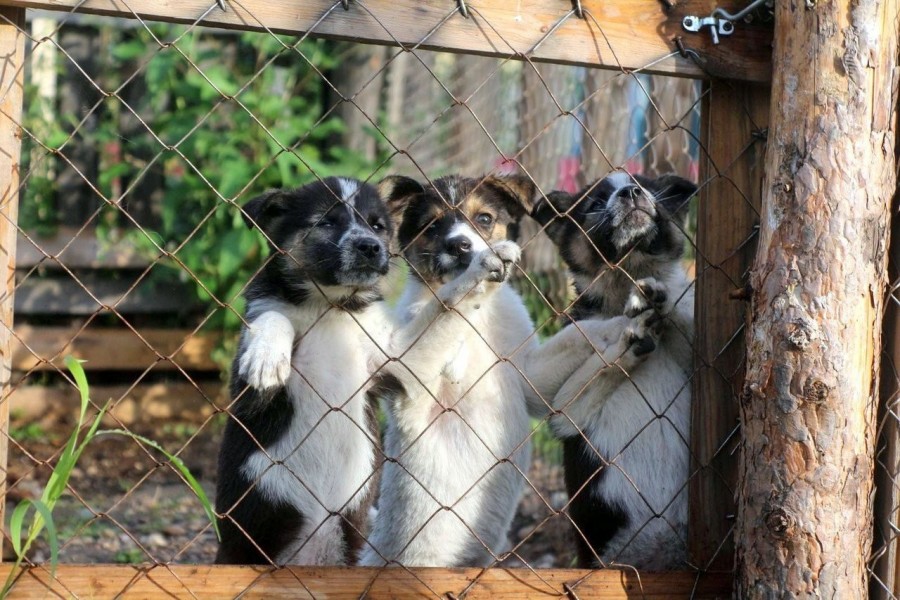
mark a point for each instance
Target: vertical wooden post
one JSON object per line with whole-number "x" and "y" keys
{"x": 12, "y": 78}
{"x": 731, "y": 171}
{"x": 804, "y": 526}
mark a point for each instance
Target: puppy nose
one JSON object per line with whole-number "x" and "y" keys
{"x": 368, "y": 248}
{"x": 459, "y": 246}
{"x": 634, "y": 196}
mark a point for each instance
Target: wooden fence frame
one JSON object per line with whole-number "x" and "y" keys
{"x": 635, "y": 35}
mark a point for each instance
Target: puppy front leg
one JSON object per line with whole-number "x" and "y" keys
{"x": 580, "y": 397}
{"x": 548, "y": 365}
{"x": 266, "y": 349}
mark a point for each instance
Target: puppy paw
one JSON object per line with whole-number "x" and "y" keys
{"x": 641, "y": 336}
{"x": 497, "y": 262}
{"x": 649, "y": 295}
{"x": 265, "y": 362}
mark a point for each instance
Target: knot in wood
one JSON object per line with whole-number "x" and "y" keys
{"x": 780, "y": 523}
{"x": 800, "y": 335}
{"x": 815, "y": 391}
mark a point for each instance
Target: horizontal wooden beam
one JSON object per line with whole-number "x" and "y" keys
{"x": 64, "y": 295}
{"x": 615, "y": 34}
{"x": 113, "y": 349}
{"x": 208, "y": 581}
{"x": 76, "y": 250}
{"x": 144, "y": 403}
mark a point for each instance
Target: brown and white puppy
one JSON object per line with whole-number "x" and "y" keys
{"x": 297, "y": 458}
{"x": 625, "y": 414}
{"x": 456, "y": 438}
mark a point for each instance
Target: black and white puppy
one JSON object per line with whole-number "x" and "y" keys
{"x": 625, "y": 414}
{"x": 297, "y": 459}
{"x": 456, "y": 438}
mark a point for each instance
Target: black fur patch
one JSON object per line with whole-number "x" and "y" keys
{"x": 267, "y": 527}
{"x": 597, "y": 519}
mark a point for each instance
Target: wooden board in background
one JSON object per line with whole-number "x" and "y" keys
{"x": 144, "y": 403}
{"x": 113, "y": 349}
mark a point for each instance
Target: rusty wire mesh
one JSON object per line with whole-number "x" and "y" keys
{"x": 122, "y": 185}
{"x": 883, "y": 582}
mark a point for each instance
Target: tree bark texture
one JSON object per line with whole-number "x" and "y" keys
{"x": 808, "y": 413}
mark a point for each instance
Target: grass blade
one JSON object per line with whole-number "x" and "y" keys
{"x": 45, "y": 512}
{"x": 38, "y": 525}
{"x": 15, "y": 525}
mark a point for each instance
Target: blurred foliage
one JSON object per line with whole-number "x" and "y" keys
{"x": 233, "y": 125}
{"x": 205, "y": 122}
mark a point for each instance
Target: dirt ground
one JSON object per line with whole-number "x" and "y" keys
{"x": 129, "y": 506}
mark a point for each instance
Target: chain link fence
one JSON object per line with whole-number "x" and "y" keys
{"x": 143, "y": 144}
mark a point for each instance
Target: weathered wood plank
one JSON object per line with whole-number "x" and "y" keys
{"x": 76, "y": 251}
{"x": 144, "y": 403}
{"x": 12, "y": 70}
{"x": 732, "y": 171}
{"x": 43, "y": 348}
{"x": 208, "y": 581}
{"x": 65, "y": 296}
{"x": 621, "y": 34}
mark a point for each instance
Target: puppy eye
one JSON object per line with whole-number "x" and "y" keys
{"x": 431, "y": 227}
{"x": 484, "y": 219}
{"x": 377, "y": 226}
{"x": 324, "y": 223}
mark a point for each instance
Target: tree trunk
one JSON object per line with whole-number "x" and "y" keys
{"x": 808, "y": 408}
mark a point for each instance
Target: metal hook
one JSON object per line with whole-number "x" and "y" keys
{"x": 463, "y": 9}
{"x": 221, "y": 4}
{"x": 345, "y": 4}
{"x": 579, "y": 11}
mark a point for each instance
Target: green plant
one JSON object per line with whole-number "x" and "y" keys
{"x": 41, "y": 511}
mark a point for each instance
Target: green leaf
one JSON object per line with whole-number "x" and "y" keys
{"x": 52, "y": 538}
{"x": 43, "y": 520}
{"x": 15, "y": 525}
{"x": 180, "y": 466}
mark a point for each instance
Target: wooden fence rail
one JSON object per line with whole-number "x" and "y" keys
{"x": 621, "y": 34}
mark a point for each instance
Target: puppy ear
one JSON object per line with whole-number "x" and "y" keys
{"x": 396, "y": 191}
{"x": 517, "y": 192}
{"x": 674, "y": 193}
{"x": 263, "y": 210}
{"x": 551, "y": 212}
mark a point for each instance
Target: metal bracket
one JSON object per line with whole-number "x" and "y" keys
{"x": 716, "y": 26}
{"x": 345, "y": 4}
{"x": 463, "y": 9}
{"x": 721, "y": 22}
{"x": 221, "y": 4}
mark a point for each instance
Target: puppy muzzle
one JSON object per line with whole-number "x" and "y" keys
{"x": 364, "y": 256}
